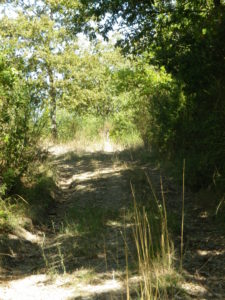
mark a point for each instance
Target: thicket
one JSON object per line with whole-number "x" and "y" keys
{"x": 17, "y": 138}
{"x": 184, "y": 115}
{"x": 193, "y": 53}
{"x": 16, "y": 132}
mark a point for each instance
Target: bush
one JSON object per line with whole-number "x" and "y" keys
{"x": 124, "y": 130}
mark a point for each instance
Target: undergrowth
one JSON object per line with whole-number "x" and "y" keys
{"x": 88, "y": 129}
{"x": 31, "y": 197}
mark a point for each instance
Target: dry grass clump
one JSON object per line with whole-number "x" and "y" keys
{"x": 157, "y": 277}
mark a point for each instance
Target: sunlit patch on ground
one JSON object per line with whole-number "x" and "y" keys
{"x": 210, "y": 252}
{"x": 103, "y": 146}
{"x": 35, "y": 287}
{"x": 194, "y": 289}
{"x": 107, "y": 286}
{"x": 204, "y": 215}
{"x": 99, "y": 172}
{"x": 114, "y": 224}
{"x": 42, "y": 287}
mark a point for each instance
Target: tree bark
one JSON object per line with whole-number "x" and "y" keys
{"x": 217, "y": 3}
{"x": 52, "y": 94}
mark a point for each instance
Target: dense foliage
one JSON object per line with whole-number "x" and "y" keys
{"x": 187, "y": 38}
{"x": 172, "y": 92}
{"x": 15, "y": 115}
{"x": 53, "y": 85}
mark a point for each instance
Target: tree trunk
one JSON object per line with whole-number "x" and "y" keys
{"x": 217, "y": 3}
{"x": 52, "y": 94}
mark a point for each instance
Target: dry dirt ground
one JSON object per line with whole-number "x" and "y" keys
{"x": 78, "y": 253}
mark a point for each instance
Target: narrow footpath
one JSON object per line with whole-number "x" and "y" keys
{"x": 79, "y": 252}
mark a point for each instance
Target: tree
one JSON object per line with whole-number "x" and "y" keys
{"x": 46, "y": 51}
{"x": 187, "y": 38}
{"x": 58, "y": 71}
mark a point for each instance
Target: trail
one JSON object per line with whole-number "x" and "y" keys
{"x": 78, "y": 253}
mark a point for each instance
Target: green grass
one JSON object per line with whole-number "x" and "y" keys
{"x": 11, "y": 211}
{"x": 9, "y": 215}
{"x": 35, "y": 192}
{"x": 88, "y": 220}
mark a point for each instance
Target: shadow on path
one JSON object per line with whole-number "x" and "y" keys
{"x": 83, "y": 235}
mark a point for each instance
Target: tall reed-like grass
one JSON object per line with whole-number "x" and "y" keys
{"x": 157, "y": 276}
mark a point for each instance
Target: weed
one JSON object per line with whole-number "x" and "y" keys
{"x": 158, "y": 278}
{"x": 12, "y": 213}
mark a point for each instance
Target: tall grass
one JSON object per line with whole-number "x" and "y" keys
{"x": 157, "y": 276}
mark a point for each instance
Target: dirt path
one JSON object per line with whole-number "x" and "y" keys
{"x": 78, "y": 253}
{"x": 204, "y": 263}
